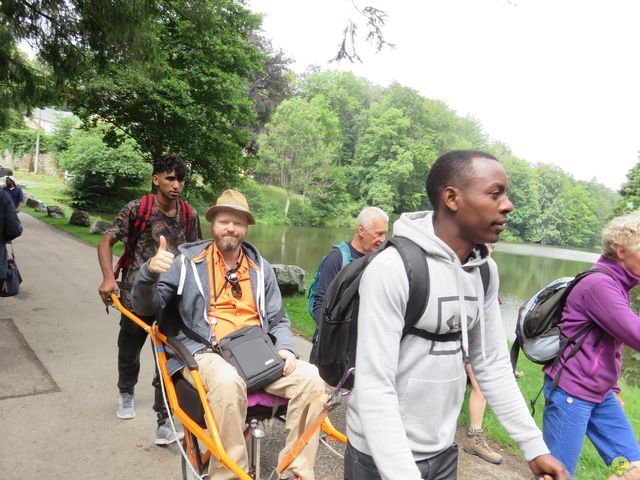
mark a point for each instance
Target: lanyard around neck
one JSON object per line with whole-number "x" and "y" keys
{"x": 226, "y": 279}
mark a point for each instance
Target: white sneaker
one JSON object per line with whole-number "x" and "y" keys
{"x": 126, "y": 408}
{"x": 165, "y": 434}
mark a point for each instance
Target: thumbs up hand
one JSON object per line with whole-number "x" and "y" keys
{"x": 162, "y": 260}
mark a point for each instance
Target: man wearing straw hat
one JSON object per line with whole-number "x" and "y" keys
{"x": 223, "y": 285}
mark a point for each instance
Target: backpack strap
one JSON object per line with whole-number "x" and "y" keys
{"x": 144, "y": 213}
{"x": 417, "y": 267}
{"x": 577, "y": 340}
{"x": 414, "y": 259}
{"x": 139, "y": 225}
{"x": 187, "y": 215}
{"x": 346, "y": 253}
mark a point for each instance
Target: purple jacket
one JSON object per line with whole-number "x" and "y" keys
{"x": 595, "y": 368}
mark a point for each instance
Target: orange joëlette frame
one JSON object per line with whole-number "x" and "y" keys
{"x": 211, "y": 439}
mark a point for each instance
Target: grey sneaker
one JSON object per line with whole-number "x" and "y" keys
{"x": 165, "y": 435}
{"x": 475, "y": 444}
{"x": 126, "y": 408}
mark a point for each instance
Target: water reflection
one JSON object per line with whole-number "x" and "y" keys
{"x": 524, "y": 268}
{"x": 302, "y": 246}
{"x": 524, "y": 273}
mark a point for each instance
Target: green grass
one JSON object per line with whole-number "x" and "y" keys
{"x": 591, "y": 466}
{"x": 296, "y": 307}
{"x": 53, "y": 191}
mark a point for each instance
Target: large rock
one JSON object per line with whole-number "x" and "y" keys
{"x": 35, "y": 203}
{"x": 290, "y": 279}
{"x": 54, "y": 211}
{"x": 99, "y": 227}
{"x": 80, "y": 217}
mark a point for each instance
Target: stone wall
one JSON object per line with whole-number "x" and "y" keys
{"x": 24, "y": 163}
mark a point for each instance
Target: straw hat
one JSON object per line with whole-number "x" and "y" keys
{"x": 231, "y": 200}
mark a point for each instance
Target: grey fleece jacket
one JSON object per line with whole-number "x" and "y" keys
{"x": 408, "y": 392}
{"x": 189, "y": 280}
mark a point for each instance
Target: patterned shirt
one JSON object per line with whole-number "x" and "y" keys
{"x": 158, "y": 224}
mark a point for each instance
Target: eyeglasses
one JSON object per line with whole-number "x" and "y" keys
{"x": 232, "y": 278}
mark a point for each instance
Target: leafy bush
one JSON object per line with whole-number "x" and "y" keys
{"x": 21, "y": 140}
{"x": 104, "y": 176}
{"x": 63, "y": 130}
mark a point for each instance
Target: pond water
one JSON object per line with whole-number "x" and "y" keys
{"x": 524, "y": 268}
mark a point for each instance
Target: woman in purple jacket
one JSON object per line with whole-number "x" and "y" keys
{"x": 587, "y": 399}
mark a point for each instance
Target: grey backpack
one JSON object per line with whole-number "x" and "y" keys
{"x": 537, "y": 328}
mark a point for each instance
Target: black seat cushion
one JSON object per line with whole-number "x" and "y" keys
{"x": 190, "y": 403}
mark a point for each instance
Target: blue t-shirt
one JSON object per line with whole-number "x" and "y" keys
{"x": 16, "y": 195}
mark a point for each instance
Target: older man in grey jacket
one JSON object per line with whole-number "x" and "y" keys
{"x": 221, "y": 286}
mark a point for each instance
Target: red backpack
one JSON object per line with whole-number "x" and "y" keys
{"x": 140, "y": 225}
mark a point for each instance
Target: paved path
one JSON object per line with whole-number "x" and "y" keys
{"x": 58, "y": 379}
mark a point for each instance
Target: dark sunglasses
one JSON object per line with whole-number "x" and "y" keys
{"x": 232, "y": 278}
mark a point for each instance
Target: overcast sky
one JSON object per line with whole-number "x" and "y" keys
{"x": 557, "y": 80}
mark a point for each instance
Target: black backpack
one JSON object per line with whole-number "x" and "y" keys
{"x": 338, "y": 329}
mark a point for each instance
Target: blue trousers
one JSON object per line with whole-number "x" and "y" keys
{"x": 567, "y": 419}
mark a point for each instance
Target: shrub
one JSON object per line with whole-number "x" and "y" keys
{"x": 21, "y": 140}
{"x": 104, "y": 176}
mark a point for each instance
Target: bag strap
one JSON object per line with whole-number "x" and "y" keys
{"x": 139, "y": 225}
{"x": 144, "y": 213}
{"x": 187, "y": 215}
{"x": 415, "y": 263}
{"x": 576, "y": 340}
{"x": 514, "y": 353}
{"x": 346, "y": 253}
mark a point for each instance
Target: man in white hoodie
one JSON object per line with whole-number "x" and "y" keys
{"x": 408, "y": 391}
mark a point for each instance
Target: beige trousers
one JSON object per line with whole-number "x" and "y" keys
{"x": 228, "y": 398}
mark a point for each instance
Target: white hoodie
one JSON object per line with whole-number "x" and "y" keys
{"x": 408, "y": 392}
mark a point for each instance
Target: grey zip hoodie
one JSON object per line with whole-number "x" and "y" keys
{"x": 408, "y": 392}
{"x": 188, "y": 277}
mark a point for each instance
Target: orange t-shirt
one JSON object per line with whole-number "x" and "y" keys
{"x": 227, "y": 313}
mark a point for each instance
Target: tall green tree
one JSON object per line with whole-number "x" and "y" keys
{"x": 300, "y": 147}
{"x": 629, "y": 192}
{"x": 568, "y": 209}
{"x": 579, "y": 221}
{"x": 524, "y": 221}
{"x": 450, "y": 131}
{"x": 271, "y": 85}
{"x": 392, "y": 160}
{"x": 23, "y": 83}
{"x": 551, "y": 183}
{"x": 347, "y": 96}
{"x": 174, "y": 76}
{"x": 603, "y": 202}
